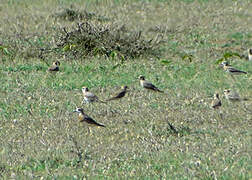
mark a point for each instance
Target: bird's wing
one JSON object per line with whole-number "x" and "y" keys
{"x": 91, "y": 96}
{"x": 234, "y": 96}
{"x": 119, "y": 95}
{"x": 149, "y": 85}
{"x": 89, "y": 120}
{"x": 216, "y": 103}
{"x": 53, "y": 68}
{"x": 233, "y": 70}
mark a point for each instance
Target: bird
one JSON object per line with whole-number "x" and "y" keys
{"x": 55, "y": 67}
{"x": 230, "y": 69}
{"x": 89, "y": 96}
{"x": 172, "y": 128}
{"x": 148, "y": 85}
{"x": 216, "y": 102}
{"x": 120, "y": 94}
{"x": 250, "y": 54}
{"x": 85, "y": 118}
{"x": 231, "y": 95}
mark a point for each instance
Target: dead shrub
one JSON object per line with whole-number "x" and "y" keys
{"x": 91, "y": 39}
{"x": 71, "y": 14}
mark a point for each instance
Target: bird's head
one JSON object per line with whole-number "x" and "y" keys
{"x": 78, "y": 110}
{"x": 84, "y": 89}
{"x": 125, "y": 87}
{"x": 141, "y": 77}
{"x": 224, "y": 63}
{"x": 226, "y": 91}
{"x": 250, "y": 51}
{"x": 56, "y": 63}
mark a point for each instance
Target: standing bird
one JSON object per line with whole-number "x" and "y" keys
{"x": 55, "y": 67}
{"x": 85, "y": 118}
{"x": 250, "y": 54}
{"x": 231, "y": 70}
{"x": 172, "y": 128}
{"x": 232, "y": 95}
{"x": 120, "y": 94}
{"x": 89, "y": 96}
{"x": 148, "y": 85}
{"x": 216, "y": 103}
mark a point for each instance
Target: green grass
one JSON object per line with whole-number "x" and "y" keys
{"x": 41, "y": 137}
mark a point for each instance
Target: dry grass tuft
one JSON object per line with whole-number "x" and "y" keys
{"x": 71, "y": 14}
{"x": 111, "y": 40}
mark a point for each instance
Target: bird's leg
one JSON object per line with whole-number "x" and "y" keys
{"x": 89, "y": 131}
{"x": 221, "y": 115}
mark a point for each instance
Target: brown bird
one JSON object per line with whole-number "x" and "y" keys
{"x": 55, "y": 67}
{"x": 89, "y": 96}
{"x": 250, "y": 54}
{"x": 85, "y": 118}
{"x": 216, "y": 103}
{"x": 120, "y": 94}
{"x": 148, "y": 85}
{"x": 231, "y": 70}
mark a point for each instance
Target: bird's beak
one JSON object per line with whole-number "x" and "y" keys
{"x": 75, "y": 111}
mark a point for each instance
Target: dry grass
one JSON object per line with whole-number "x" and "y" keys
{"x": 110, "y": 40}
{"x": 41, "y": 137}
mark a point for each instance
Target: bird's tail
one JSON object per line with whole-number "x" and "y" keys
{"x": 245, "y": 99}
{"x": 100, "y": 125}
{"x": 239, "y": 71}
{"x": 159, "y": 91}
{"x": 102, "y": 101}
{"x": 110, "y": 99}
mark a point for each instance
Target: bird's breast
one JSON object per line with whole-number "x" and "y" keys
{"x": 81, "y": 117}
{"x": 250, "y": 57}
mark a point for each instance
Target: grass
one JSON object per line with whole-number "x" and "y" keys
{"x": 40, "y": 136}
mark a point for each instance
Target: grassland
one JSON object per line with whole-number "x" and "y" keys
{"x": 40, "y": 137}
